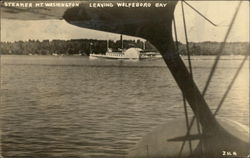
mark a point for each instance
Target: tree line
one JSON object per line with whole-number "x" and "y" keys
{"x": 68, "y": 47}
{"x": 213, "y": 48}
{"x": 87, "y": 46}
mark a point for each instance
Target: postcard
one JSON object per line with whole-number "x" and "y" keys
{"x": 116, "y": 79}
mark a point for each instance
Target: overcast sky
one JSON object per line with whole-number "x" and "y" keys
{"x": 220, "y": 12}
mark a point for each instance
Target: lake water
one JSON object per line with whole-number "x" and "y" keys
{"x": 76, "y": 107}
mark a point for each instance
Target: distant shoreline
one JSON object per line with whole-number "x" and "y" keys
{"x": 184, "y": 57}
{"x": 84, "y": 47}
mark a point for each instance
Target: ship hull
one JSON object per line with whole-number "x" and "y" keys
{"x": 102, "y": 56}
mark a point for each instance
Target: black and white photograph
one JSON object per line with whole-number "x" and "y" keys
{"x": 124, "y": 79}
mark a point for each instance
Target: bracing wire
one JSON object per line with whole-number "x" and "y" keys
{"x": 220, "y": 50}
{"x": 218, "y": 57}
{"x": 230, "y": 85}
{"x": 187, "y": 121}
{"x": 184, "y": 98}
{"x": 190, "y": 70}
{"x": 187, "y": 43}
{"x": 189, "y": 62}
{"x": 222, "y": 100}
{"x": 176, "y": 36}
{"x": 199, "y": 13}
{"x": 213, "y": 69}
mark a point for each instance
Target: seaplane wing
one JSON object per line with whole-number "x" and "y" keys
{"x": 116, "y": 17}
{"x": 134, "y": 21}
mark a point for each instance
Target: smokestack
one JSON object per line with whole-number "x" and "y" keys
{"x": 107, "y": 45}
{"x": 121, "y": 41}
